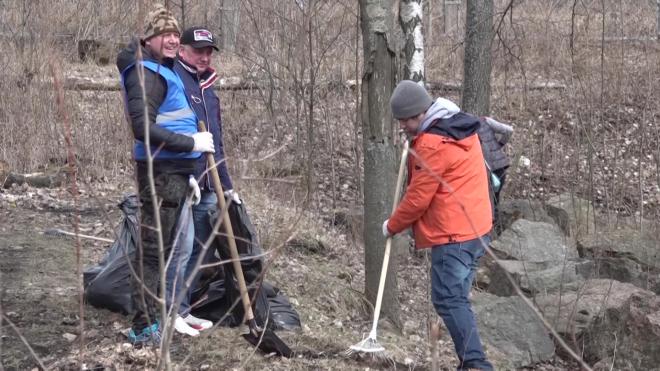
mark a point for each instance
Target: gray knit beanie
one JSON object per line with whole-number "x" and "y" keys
{"x": 409, "y": 99}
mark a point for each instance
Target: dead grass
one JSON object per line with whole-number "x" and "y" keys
{"x": 596, "y": 136}
{"x": 324, "y": 289}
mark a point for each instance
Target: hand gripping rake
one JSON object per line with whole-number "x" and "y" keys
{"x": 370, "y": 344}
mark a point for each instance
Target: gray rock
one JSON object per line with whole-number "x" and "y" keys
{"x": 619, "y": 269}
{"x": 626, "y": 242}
{"x": 628, "y": 334}
{"x": 575, "y": 216}
{"x": 512, "y": 328}
{"x": 512, "y": 210}
{"x": 572, "y": 312}
{"x": 625, "y": 269}
{"x": 533, "y": 277}
{"x": 534, "y": 242}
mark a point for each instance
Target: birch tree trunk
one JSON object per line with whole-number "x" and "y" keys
{"x": 378, "y": 135}
{"x": 410, "y": 18}
{"x": 477, "y": 59}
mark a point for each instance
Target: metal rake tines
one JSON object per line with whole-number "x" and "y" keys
{"x": 368, "y": 345}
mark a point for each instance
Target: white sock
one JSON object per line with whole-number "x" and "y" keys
{"x": 198, "y": 323}
{"x": 182, "y": 327}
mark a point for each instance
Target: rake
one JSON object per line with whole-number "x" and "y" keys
{"x": 263, "y": 338}
{"x": 370, "y": 344}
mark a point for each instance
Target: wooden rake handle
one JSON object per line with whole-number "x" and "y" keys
{"x": 388, "y": 243}
{"x": 226, "y": 223}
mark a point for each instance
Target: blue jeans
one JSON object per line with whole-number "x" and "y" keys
{"x": 203, "y": 229}
{"x": 452, "y": 273}
{"x": 175, "y": 274}
{"x": 195, "y": 229}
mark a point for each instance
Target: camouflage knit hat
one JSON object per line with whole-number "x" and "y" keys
{"x": 160, "y": 20}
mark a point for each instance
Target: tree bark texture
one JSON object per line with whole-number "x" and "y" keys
{"x": 657, "y": 20}
{"x": 229, "y": 24}
{"x": 378, "y": 132}
{"x": 410, "y": 18}
{"x": 477, "y": 58}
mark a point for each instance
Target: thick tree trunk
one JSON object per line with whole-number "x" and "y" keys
{"x": 477, "y": 60}
{"x": 410, "y": 17}
{"x": 378, "y": 133}
{"x": 657, "y": 20}
{"x": 229, "y": 24}
{"x": 445, "y": 29}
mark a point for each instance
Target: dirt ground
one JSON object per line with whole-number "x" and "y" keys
{"x": 40, "y": 300}
{"x": 40, "y": 297}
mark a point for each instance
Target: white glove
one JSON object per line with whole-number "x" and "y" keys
{"x": 196, "y": 193}
{"x": 203, "y": 142}
{"x": 386, "y": 232}
{"x": 233, "y": 196}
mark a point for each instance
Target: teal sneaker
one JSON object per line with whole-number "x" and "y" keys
{"x": 148, "y": 336}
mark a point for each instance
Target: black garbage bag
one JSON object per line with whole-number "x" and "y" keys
{"x": 269, "y": 305}
{"x": 223, "y": 294}
{"x": 108, "y": 284}
{"x": 221, "y": 301}
{"x": 247, "y": 243}
{"x": 282, "y": 315}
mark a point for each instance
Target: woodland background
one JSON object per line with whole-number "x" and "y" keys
{"x": 578, "y": 80}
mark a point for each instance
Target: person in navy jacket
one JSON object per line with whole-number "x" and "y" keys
{"x": 193, "y": 65}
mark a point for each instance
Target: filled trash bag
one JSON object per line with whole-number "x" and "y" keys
{"x": 216, "y": 306}
{"x": 282, "y": 314}
{"x": 221, "y": 302}
{"x": 108, "y": 284}
{"x": 226, "y": 305}
{"x": 247, "y": 243}
{"x": 217, "y": 297}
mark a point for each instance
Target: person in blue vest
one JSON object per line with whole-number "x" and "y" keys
{"x": 160, "y": 116}
{"x": 194, "y": 67}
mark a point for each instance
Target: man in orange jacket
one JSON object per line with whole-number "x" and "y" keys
{"x": 447, "y": 204}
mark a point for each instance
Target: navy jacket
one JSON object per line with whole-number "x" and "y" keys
{"x": 492, "y": 148}
{"x": 206, "y": 105}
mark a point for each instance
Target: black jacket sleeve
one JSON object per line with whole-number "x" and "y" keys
{"x": 156, "y": 89}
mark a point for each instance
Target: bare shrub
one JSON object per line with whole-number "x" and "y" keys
{"x": 576, "y": 78}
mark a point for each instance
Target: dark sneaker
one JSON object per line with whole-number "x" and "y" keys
{"x": 148, "y": 336}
